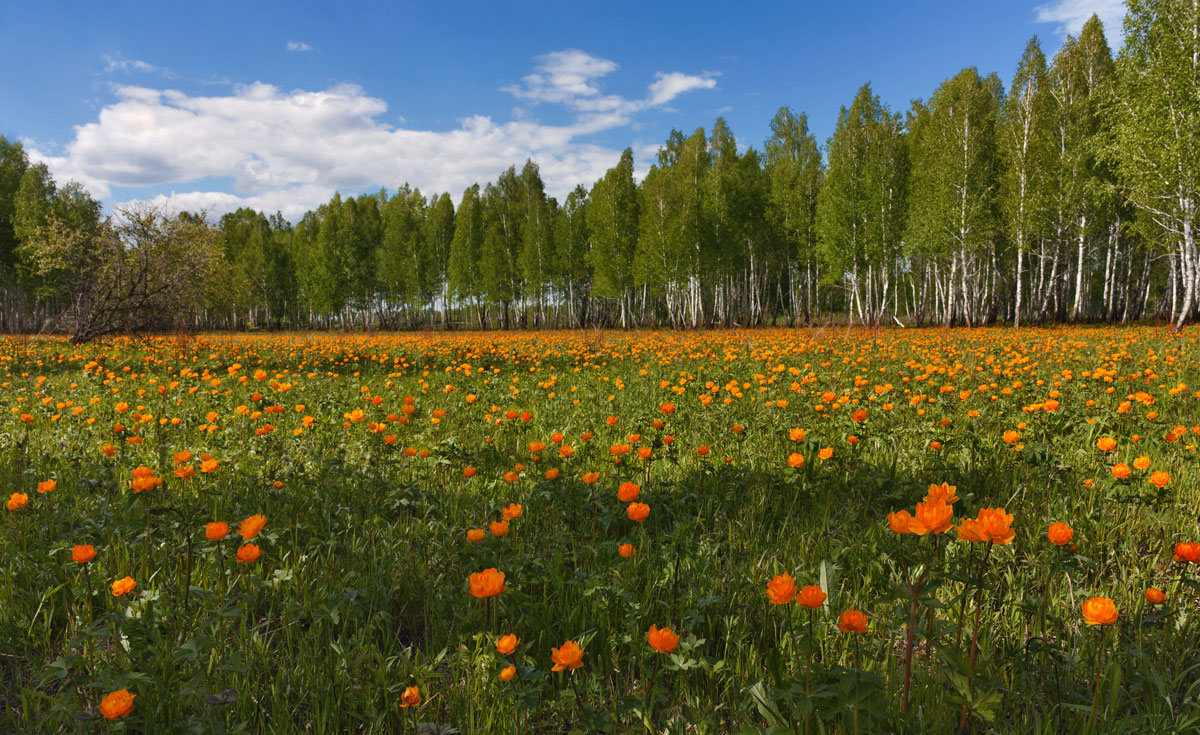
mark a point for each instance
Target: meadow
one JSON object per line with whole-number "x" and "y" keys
{"x": 781, "y": 531}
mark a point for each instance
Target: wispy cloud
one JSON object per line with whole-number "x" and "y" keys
{"x": 116, "y": 62}
{"x": 298, "y": 46}
{"x": 1070, "y": 15}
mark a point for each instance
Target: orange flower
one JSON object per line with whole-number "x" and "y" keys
{"x": 1011, "y": 437}
{"x": 552, "y": 473}
{"x": 590, "y": 477}
{"x": 852, "y": 621}
{"x": 1106, "y": 444}
{"x": 123, "y": 586}
{"x": 825, "y": 453}
{"x": 498, "y": 528}
{"x": 860, "y": 415}
{"x": 944, "y": 492}
{"x": 1187, "y": 552}
{"x": 1141, "y": 463}
{"x": 513, "y": 510}
{"x": 181, "y": 457}
{"x": 667, "y": 408}
{"x": 507, "y": 644}
{"x": 487, "y": 583}
{"x": 900, "y": 521}
{"x": 116, "y": 705}
{"x": 183, "y": 472}
{"x": 250, "y": 527}
{"x": 569, "y": 656}
{"x": 46, "y": 486}
{"x": 781, "y": 589}
{"x": 216, "y": 530}
{"x": 1155, "y": 596}
{"x": 411, "y": 697}
{"x": 83, "y": 554}
{"x": 1158, "y": 478}
{"x": 1060, "y": 534}
{"x": 637, "y": 512}
{"x": 208, "y": 465}
{"x": 811, "y": 596}
{"x": 662, "y": 640}
{"x": 628, "y": 492}
{"x": 797, "y": 435}
{"x": 248, "y": 553}
{"x": 16, "y": 501}
{"x": 468, "y": 472}
{"x": 1099, "y": 611}
{"x": 996, "y": 525}
{"x": 1120, "y": 471}
{"x": 702, "y": 450}
{"x": 795, "y": 459}
{"x": 626, "y": 550}
{"x": 932, "y": 517}
{"x": 508, "y": 672}
{"x": 970, "y": 530}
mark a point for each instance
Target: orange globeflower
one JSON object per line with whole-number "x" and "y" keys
{"x": 498, "y": 528}
{"x": 513, "y": 510}
{"x": 1155, "y": 596}
{"x": 667, "y": 408}
{"x": 209, "y": 465}
{"x": 590, "y": 477}
{"x": 181, "y": 457}
{"x": 1120, "y": 471}
{"x": 1099, "y": 611}
{"x": 123, "y": 586}
{"x": 996, "y": 525}
{"x": 1011, "y": 437}
{"x": 1106, "y": 444}
{"x": 507, "y": 644}
{"x": 944, "y": 492}
{"x": 781, "y": 589}
{"x": 250, "y": 527}
{"x": 860, "y": 415}
{"x": 1141, "y": 463}
{"x": 468, "y": 472}
{"x": 552, "y": 473}
{"x": 663, "y": 640}
{"x": 508, "y": 673}
{"x": 475, "y": 534}
{"x": 16, "y": 501}
{"x": 248, "y": 553}
{"x": 185, "y": 471}
{"x": 797, "y": 435}
{"x": 216, "y": 530}
{"x": 933, "y": 517}
{"x": 852, "y": 621}
{"x": 811, "y": 596}
{"x": 1060, "y": 534}
{"x": 825, "y": 453}
{"x": 628, "y": 492}
{"x": 1158, "y": 478}
{"x": 638, "y": 512}
{"x": 1187, "y": 552}
{"x": 116, "y": 705}
{"x": 487, "y": 583}
{"x": 970, "y": 530}
{"x": 83, "y": 554}
{"x": 46, "y": 486}
{"x": 411, "y": 697}
{"x": 626, "y": 550}
{"x": 569, "y": 656}
{"x": 900, "y": 521}
{"x": 795, "y": 459}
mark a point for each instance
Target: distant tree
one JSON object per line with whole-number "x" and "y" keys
{"x": 466, "y": 249}
{"x": 613, "y": 223}
{"x": 795, "y": 171}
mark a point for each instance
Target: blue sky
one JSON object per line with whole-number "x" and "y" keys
{"x": 216, "y": 105}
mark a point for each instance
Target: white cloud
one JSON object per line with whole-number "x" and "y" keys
{"x": 291, "y": 150}
{"x": 116, "y": 62}
{"x": 1070, "y": 15}
{"x": 298, "y": 46}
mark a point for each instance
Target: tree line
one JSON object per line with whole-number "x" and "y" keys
{"x": 1071, "y": 195}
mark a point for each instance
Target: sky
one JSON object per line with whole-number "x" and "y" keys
{"x": 217, "y": 105}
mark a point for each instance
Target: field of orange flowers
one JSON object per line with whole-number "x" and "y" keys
{"x": 761, "y": 531}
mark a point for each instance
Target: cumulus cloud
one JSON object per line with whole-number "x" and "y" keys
{"x": 291, "y": 150}
{"x": 1070, "y": 15}
{"x": 298, "y": 46}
